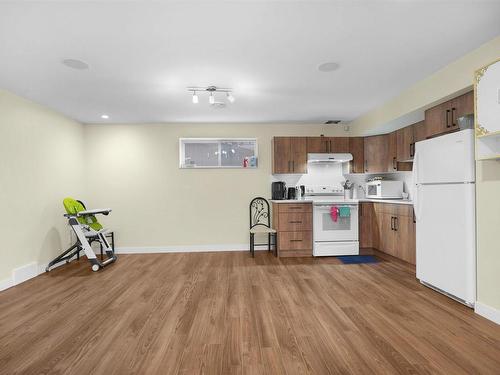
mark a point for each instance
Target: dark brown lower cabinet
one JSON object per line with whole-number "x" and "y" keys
{"x": 389, "y": 228}
{"x": 293, "y": 222}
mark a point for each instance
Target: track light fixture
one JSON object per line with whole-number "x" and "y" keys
{"x": 212, "y": 90}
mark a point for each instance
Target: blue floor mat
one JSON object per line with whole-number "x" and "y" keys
{"x": 358, "y": 259}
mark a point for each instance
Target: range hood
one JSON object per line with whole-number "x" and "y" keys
{"x": 329, "y": 158}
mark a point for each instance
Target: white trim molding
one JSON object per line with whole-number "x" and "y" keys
{"x": 487, "y": 312}
{"x": 186, "y": 249}
{"x": 21, "y": 274}
{"x": 6, "y": 284}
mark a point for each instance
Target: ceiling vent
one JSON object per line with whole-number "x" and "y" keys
{"x": 332, "y": 122}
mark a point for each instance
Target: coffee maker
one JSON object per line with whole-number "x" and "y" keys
{"x": 278, "y": 190}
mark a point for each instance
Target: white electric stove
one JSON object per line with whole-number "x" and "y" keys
{"x": 333, "y": 235}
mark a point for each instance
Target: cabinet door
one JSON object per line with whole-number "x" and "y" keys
{"x": 357, "y": 149}
{"x": 299, "y": 154}
{"x": 438, "y": 120}
{"x": 339, "y": 144}
{"x": 405, "y": 143}
{"x": 392, "y": 164}
{"x": 317, "y": 144}
{"x": 419, "y": 132}
{"x": 386, "y": 234}
{"x": 376, "y": 154}
{"x": 282, "y": 158}
{"x": 461, "y": 106}
{"x": 405, "y": 239}
{"x": 366, "y": 220}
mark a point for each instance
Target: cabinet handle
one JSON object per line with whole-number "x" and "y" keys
{"x": 366, "y": 165}
{"x": 295, "y": 222}
{"x": 447, "y": 116}
{"x": 452, "y": 120}
{"x": 295, "y": 240}
{"x": 412, "y": 149}
{"x": 393, "y": 225}
{"x": 293, "y": 165}
{"x": 394, "y": 164}
{"x": 396, "y": 224}
{"x": 330, "y": 146}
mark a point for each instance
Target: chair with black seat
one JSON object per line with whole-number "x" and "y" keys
{"x": 260, "y": 223}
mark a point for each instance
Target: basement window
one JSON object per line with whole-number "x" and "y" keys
{"x": 218, "y": 153}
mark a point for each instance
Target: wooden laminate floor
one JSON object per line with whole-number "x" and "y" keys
{"x": 226, "y": 313}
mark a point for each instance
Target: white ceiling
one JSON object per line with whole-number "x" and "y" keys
{"x": 143, "y": 55}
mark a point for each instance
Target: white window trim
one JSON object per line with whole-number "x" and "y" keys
{"x": 219, "y": 141}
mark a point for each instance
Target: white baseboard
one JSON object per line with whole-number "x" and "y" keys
{"x": 23, "y": 273}
{"x": 6, "y": 283}
{"x": 186, "y": 249}
{"x": 487, "y": 312}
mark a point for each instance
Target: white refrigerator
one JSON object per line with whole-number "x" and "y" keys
{"x": 444, "y": 204}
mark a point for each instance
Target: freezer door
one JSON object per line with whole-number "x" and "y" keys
{"x": 446, "y": 252}
{"x": 445, "y": 159}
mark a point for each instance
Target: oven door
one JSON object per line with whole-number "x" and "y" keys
{"x": 327, "y": 230}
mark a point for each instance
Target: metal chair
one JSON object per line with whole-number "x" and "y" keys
{"x": 260, "y": 223}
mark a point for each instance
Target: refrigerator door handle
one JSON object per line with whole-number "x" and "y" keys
{"x": 416, "y": 211}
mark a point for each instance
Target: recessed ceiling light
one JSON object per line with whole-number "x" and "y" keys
{"x": 75, "y": 64}
{"x": 328, "y": 67}
{"x": 105, "y": 117}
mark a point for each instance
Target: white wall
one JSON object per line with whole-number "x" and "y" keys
{"x": 41, "y": 162}
{"x": 135, "y": 170}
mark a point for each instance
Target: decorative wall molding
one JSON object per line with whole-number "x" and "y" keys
{"x": 487, "y": 312}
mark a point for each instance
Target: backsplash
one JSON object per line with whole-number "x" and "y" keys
{"x": 360, "y": 179}
{"x": 331, "y": 174}
{"x": 317, "y": 174}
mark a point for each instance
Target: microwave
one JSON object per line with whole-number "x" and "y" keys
{"x": 383, "y": 189}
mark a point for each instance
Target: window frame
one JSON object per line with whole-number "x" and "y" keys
{"x": 219, "y": 141}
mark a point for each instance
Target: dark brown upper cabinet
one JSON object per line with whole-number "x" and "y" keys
{"x": 289, "y": 155}
{"x": 357, "y": 149}
{"x": 405, "y": 138}
{"x": 419, "y": 132}
{"x": 443, "y": 118}
{"x": 327, "y": 144}
{"x": 318, "y": 145}
{"x": 392, "y": 152}
{"x": 375, "y": 153}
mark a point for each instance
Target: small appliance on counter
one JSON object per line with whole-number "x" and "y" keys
{"x": 278, "y": 190}
{"x": 292, "y": 193}
{"x": 379, "y": 188}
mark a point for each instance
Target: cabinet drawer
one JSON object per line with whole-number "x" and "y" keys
{"x": 393, "y": 209}
{"x": 386, "y": 208}
{"x": 294, "y": 207}
{"x": 405, "y": 210}
{"x": 295, "y": 240}
{"x": 295, "y": 221}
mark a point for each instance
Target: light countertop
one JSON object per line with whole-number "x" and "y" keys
{"x": 310, "y": 200}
